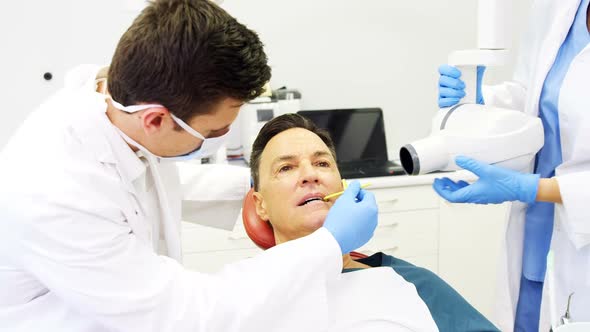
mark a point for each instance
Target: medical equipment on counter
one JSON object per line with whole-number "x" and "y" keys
{"x": 289, "y": 100}
{"x": 252, "y": 118}
{"x": 493, "y": 135}
{"x": 490, "y": 134}
{"x": 254, "y": 114}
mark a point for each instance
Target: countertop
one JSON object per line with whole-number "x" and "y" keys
{"x": 415, "y": 180}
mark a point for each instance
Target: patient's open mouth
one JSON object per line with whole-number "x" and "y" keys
{"x": 311, "y": 197}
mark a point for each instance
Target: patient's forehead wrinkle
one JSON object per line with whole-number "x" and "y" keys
{"x": 282, "y": 158}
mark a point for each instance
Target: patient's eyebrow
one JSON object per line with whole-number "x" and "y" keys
{"x": 291, "y": 157}
{"x": 279, "y": 159}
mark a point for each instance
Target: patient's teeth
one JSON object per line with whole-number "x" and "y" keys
{"x": 311, "y": 199}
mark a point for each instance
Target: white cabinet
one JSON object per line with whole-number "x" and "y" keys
{"x": 470, "y": 240}
{"x": 408, "y": 225}
{"x": 459, "y": 242}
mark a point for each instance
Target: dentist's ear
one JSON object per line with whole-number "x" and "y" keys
{"x": 153, "y": 119}
{"x": 260, "y": 205}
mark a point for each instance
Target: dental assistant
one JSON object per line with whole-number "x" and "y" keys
{"x": 90, "y": 195}
{"x": 550, "y": 209}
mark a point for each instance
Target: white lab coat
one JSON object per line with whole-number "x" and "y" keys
{"x": 377, "y": 300}
{"x": 547, "y": 30}
{"x": 76, "y": 253}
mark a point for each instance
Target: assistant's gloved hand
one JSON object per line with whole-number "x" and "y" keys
{"x": 495, "y": 185}
{"x": 353, "y": 218}
{"x": 451, "y": 88}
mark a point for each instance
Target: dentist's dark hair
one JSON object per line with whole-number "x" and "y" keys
{"x": 276, "y": 126}
{"x": 187, "y": 55}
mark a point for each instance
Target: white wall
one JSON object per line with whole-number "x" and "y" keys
{"x": 339, "y": 53}
{"x": 52, "y": 36}
{"x": 385, "y": 53}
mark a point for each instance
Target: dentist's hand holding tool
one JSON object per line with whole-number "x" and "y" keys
{"x": 353, "y": 218}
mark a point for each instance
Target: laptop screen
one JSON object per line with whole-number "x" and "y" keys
{"x": 359, "y": 134}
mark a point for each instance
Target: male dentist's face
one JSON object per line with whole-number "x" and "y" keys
{"x": 296, "y": 171}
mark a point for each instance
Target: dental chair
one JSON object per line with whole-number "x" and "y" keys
{"x": 450, "y": 311}
{"x": 261, "y": 231}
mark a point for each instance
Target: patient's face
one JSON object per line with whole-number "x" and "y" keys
{"x": 296, "y": 171}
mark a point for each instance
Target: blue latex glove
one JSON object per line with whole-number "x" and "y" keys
{"x": 353, "y": 218}
{"x": 451, "y": 88}
{"x": 495, "y": 185}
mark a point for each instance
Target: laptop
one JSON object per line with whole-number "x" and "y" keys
{"x": 359, "y": 137}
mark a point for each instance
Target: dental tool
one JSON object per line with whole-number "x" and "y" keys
{"x": 328, "y": 197}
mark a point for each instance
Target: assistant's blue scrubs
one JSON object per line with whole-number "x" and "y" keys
{"x": 540, "y": 215}
{"x": 450, "y": 311}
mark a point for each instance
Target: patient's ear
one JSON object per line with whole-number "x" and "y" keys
{"x": 260, "y": 205}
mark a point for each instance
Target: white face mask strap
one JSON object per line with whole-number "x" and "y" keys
{"x": 187, "y": 127}
{"x": 133, "y": 108}
{"x": 128, "y": 109}
{"x": 137, "y": 108}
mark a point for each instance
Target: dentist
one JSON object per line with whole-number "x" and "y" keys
{"x": 90, "y": 196}
{"x": 550, "y": 208}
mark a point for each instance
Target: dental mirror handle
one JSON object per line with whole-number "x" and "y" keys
{"x": 565, "y": 319}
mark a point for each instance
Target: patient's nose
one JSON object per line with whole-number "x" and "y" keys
{"x": 308, "y": 174}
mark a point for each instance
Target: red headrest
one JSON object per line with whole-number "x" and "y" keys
{"x": 257, "y": 229}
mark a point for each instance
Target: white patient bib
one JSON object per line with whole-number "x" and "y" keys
{"x": 377, "y": 299}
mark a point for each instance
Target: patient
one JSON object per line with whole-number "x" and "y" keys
{"x": 293, "y": 166}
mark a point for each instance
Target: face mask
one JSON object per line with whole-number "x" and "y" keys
{"x": 207, "y": 148}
